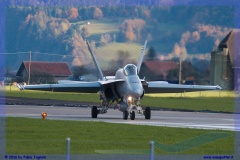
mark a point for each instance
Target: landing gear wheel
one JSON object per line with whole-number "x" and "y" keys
{"x": 147, "y": 113}
{"x": 125, "y": 115}
{"x": 94, "y": 112}
{"x": 132, "y": 115}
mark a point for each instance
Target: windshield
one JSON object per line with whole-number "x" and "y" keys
{"x": 130, "y": 69}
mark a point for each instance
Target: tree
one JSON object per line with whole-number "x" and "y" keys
{"x": 146, "y": 14}
{"x": 151, "y": 54}
{"x": 123, "y": 57}
{"x": 105, "y": 38}
{"x": 97, "y": 13}
{"x": 73, "y": 14}
{"x": 132, "y": 29}
{"x": 84, "y": 32}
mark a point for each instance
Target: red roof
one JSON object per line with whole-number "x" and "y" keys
{"x": 161, "y": 67}
{"x": 53, "y": 68}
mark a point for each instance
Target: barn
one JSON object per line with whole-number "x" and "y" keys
{"x": 223, "y": 61}
{"x": 43, "y": 72}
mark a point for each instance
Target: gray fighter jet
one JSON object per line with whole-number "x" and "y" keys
{"x": 125, "y": 88}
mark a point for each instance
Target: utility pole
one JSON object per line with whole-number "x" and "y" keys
{"x": 180, "y": 69}
{"x": 29, "y": 66}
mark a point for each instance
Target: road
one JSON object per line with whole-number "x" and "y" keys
{"x": 198, "y": 120}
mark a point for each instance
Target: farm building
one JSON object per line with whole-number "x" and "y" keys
{"x": 157, "y": 70}
{"x": 43, "y": 72}
{"x": 223, "y": 59}
{"x": 169, "y": 71}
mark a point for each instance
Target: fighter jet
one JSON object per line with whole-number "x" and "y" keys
{"x": 125, "y": 88}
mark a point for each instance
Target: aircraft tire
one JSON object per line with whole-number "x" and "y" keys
{"x": 132, "y": 115}
{"x": 147, "y": 113}
{"x": 94, "y": 112}
{"x": 125, "y": 115}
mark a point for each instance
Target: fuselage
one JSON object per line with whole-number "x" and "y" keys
{"x": 132, "y": 85}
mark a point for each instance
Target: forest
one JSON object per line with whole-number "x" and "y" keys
{"x": 40, "y": 26}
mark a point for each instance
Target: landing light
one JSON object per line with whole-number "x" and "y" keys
{"x": 44, "y": 115}
{"x": 129, "y": 99}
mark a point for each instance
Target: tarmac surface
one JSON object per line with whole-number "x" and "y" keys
{"x": 218, "y": 121}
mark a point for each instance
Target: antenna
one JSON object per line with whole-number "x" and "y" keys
{"x": 141, "y": 56}
{"x": 95, "y": 61}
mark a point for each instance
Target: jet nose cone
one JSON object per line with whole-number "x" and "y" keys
{"x": 138, "y": 93}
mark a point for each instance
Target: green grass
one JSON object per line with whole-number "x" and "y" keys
{"x": 37, "y": 136}
{"x": 110, "y": 51}
{"x": 208, "y": 101}
{"x": 224, "y": 104}
{"x": 77, "y": 97}
{"x": 102, "y": 26}
{"x": 203, "y": 94}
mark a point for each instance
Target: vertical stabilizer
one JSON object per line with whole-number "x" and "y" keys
{"x": 141, "y": 56}
{"x": 95, "y": 62}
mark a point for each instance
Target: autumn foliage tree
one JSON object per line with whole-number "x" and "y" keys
{"x": 97, "y": 13}
{"x": 146, "y": 14}
{"x": 132, "y": 29}
{"x": 105, "y": 38}
{"x": 73, "y": 14}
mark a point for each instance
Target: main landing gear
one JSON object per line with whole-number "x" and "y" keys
{"x": 95, "y": 112}
{"x": 147, "y": 113}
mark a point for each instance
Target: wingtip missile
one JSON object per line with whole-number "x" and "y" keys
{"x": 219, "y": 88}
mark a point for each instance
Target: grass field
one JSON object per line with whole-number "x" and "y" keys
{"x": 110, "y": 51}
{"x": 102, "y": 26}
{"x": 199, "y": 101}
{"x": 37, "y": 136}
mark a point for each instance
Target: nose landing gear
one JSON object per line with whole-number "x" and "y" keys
{"x": 125, "y": 115}
{"x": 130, "y": 111}
{"x": 132, "y": 115}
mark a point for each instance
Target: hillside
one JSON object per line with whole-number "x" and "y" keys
{"x": 58, "y": 33}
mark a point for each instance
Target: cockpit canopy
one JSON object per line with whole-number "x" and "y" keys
{"x": 130, "y": 69}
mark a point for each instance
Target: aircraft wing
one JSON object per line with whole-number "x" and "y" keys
{"x": 70, "y": 86}
{"x": 83, "y": 87}
{"x": 165, "y": 87}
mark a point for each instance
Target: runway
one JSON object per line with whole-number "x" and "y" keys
{"x": 217, "y": 121}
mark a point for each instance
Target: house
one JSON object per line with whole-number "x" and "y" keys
{"x": 10, "y": 77}
{"x": 157, "y": 70}
{"x": 169, "y": 71}
{"x": 43, "y": 72}
{"x": 7, "y": 78}
{"x": 223, "y": 64}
